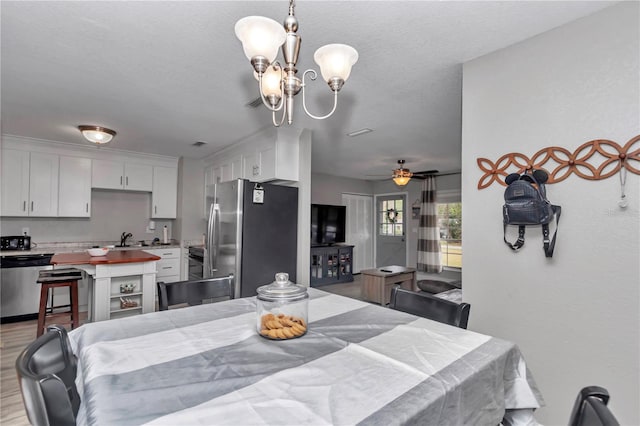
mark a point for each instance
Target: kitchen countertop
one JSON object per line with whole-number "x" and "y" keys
{"x": 81, "y": 247}
{"x": 112, "y": 257}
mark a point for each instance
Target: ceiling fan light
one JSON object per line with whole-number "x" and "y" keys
{"x": 260, "y": 36}
{"x": 96, "y": 134}
{"x": 401, "y": 180}
{"x": 335, "y": 61}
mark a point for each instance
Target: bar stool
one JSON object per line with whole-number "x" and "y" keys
{"x": 51, "y": 279}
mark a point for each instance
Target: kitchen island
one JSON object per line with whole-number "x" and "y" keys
{"x": 121, "y": 283}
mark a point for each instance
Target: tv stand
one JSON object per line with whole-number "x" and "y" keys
{"x": 331, "y": 264}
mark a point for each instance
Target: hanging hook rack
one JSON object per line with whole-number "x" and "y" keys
{"x": 594, "y": 160}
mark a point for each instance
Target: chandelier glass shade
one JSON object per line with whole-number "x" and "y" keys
{"x": 278, "y": 83}
{"x": 401, "y": 177}
{"x": 96, "y": 134}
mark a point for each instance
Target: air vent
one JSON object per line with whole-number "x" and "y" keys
{"x": 254, "y": 103}
{"x": 359, "y": 132}
{"x": 199, "y": 143}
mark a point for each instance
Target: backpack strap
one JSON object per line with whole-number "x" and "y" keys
{"x": 520, "y": 241}
{"x": 550, "y": 245}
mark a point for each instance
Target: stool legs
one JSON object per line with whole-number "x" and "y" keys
{"x": 75, "y": 318}
{"x": 42, "y": 311}
{"x": 73, "y": 308}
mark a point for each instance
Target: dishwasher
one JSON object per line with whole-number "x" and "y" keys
{"x": 19, "y": 291}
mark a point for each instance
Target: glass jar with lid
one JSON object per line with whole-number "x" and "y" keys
{"x": 282, "y": 309}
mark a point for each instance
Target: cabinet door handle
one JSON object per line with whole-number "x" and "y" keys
{"x": 127, "y": 180}
{"x": 87, "y": 207}
{"x": 32, "y": 206}
{"x": 24, "y": 206}
{"x": 166, "y": 254}
{"x": 166, "y": 267}
{"x": 120, "y": 180}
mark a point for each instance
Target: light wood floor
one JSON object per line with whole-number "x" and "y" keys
{"x": 14, "y": 338}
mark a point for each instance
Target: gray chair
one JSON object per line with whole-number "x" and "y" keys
{"x": 590, "y": 408}
{"x": 194, "y": 292}
{"x": 46, "y": 371}
{"x": 431, "y": 307}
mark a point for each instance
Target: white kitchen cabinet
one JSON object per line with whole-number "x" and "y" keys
{"x": 108, "y": 174}
{"x": 271, "y": 160}
{"x": 168, "y": 267}
{"x": 164, "y": 197}
{"x": 29, "y": 183}
{"x": 74, "y": 194}
{"x": 15, "y": 182}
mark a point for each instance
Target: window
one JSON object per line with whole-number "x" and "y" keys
{"x": 450, "y": 224}
{"x": 391, "y": 216}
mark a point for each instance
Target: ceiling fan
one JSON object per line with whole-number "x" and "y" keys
{"x": 401, "y": 176}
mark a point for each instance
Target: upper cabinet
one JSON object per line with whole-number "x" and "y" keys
{"x": 108, "y": 174}
{"x": 29, "y": 183}
{"x": 262, "y": 160}
{"x": 74, "y": 194}
{"x": 165, "y": 193}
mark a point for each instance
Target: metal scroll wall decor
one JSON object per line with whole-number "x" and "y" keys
{"x": 594, "y": 160}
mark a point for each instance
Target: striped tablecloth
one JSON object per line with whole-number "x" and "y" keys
{"x": 358, "y": 363}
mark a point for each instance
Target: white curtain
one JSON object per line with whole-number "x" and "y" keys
{"x": 428, "y": 233}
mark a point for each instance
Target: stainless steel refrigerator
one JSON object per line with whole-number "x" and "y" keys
{"x": 251, "y": 233}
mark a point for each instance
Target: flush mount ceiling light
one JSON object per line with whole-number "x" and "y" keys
{"x": 96, "y": 134}
{"x": 261, "y": 37}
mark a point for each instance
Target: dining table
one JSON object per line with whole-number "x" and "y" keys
{"x": 358, "y": 363}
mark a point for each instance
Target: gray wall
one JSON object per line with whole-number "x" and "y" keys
{"x": 576, "y": 317}
{"x": 190, "y": 224}
{"x": 112, "y": 213}
{"x": 327, "y": 189}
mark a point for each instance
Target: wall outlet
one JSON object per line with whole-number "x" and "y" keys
{"x": 25, "y": 231}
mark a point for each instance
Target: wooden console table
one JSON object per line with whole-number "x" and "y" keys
{"x": 378, "y": 282}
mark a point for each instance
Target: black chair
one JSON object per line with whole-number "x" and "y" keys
{"x": 194, "y": 292}
{"x": 46, "y": 374}
{"x": 590, "y": 408}
{"x": 431, "y": 307}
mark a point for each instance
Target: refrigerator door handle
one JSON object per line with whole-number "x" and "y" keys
{"x": 216, "y": 237}
{"x": 209, "y": 243}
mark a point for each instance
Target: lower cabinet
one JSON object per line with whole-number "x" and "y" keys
{"x": 331, "y": 264}
{"x": 168, "y": 267}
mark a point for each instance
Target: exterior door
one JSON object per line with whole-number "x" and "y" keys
{"x": 359, "y": 227}
{"x": 391, "y": 246}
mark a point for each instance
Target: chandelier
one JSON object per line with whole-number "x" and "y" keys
{"x": 278, "y": 83}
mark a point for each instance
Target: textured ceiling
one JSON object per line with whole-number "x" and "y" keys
{"x": 167, "y": 74}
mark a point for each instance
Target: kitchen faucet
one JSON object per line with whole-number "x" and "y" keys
{"x": 123, "y": 238}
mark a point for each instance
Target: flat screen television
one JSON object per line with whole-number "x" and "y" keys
{"x": 327, "y": 224}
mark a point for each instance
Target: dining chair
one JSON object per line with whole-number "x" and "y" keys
{"x": 46, "y": 371}
{"x": 193, "y": 292}
{"x": 590, "y": 408}
{"x": 427, "y": 306}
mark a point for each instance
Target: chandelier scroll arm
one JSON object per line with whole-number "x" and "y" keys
{"x": 313, "y": 76}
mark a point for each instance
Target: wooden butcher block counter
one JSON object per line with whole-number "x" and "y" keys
{"x": 112, "y": 257}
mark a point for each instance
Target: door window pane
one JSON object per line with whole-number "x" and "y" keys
{"x": 391, "y": 216}
{"x": 450, "y": 225}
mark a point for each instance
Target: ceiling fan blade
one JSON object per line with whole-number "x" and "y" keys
{"x": 426, "y": 172}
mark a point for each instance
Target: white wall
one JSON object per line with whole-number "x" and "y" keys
{"x": 576, "y": 316}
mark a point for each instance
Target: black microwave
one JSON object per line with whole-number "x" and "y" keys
{"x": 19, "y": 242}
